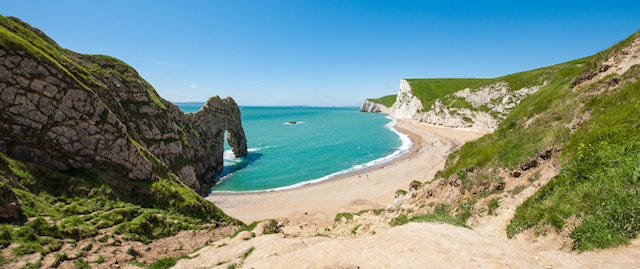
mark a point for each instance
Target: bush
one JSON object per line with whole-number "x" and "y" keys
{"x": 163, "y": 263}
{"x": 74, "y": 227}
{"x": 270, "y": 227}
{"x": 154, "y": 224}
{"x": 5, "y": 235}
{"x": 346, "y": 215}
{"x": 493, "y": 205}
{"x": 399, "y": 220}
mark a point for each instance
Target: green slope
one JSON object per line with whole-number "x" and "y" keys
{"x": 386, "y": 100}
{"x": 428, "y": 90}
{"x": 600, "y": 176}
{"x": 68, "y": 206}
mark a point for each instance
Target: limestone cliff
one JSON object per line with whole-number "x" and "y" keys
{"x": 373, "y": 107}
{"x": 478, "y": 108}
{"x": 67, "y": 111}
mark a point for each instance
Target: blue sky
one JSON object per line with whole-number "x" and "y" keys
{"x": 325, "y": 53}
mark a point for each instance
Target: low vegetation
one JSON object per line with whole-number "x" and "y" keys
{"x": 600, "y": 180}
{"x": 89, "y": 201}
{"x": 595, "y": 195}
{"x": 428, "y": 90}
{"x": 386, "y": 100}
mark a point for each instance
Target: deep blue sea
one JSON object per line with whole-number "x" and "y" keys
{"x": 325, "y": 142}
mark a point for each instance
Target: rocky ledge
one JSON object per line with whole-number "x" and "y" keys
{"x": 66, "y": 111}
{"x": 373, "y": 107}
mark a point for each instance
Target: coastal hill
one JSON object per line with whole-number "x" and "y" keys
{"x": 88, "y": 149}
{"x": 529, "y": 170}
{"x": 566, "y": 135}
{"x": 553, "y": 184}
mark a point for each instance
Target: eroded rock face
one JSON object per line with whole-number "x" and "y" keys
{"x": 211, "y": 121}
{"x": 10, "y": 209}
{"x": 373, "y": 107}
{"x": 67, "y": 111}
{"x": 488, "y": 106}
{"x": 407, "y": 105}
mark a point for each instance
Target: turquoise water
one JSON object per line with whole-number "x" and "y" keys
{"x": 325, "y": 142}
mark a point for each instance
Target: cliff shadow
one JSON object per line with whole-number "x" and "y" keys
{"x": 244, "y": 162}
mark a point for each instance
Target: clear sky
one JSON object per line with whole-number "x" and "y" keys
{"x": 325, "y": 52}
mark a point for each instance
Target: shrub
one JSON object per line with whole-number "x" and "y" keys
{"x": 270, "y": 227}
{"x": 399, "y": 220}
{"x": 5, "y": 235}
{"x": 493, "y": 205}
{"x": 346, "y": 215}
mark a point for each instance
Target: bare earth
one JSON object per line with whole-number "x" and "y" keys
{"x": 370, "y": 189}
{"x": 413, "y": 245}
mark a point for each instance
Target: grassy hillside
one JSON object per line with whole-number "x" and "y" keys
{"x": 428, "y": 90}
{"x": 58, "y": 208}
{"x": 386, "y": 100}
{"x": 597, "y": 188}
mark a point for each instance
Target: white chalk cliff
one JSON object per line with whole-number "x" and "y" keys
{"x": 485, "y": 106}
{"x": 373, "y": 107}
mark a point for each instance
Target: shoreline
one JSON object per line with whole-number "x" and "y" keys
{"x": 413, "y": 146}
{"x": 373, "y": 187}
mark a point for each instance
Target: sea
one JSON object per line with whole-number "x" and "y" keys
{"x": 289, "y": 147}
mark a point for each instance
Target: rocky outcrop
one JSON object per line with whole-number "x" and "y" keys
{"x": 66, "y": 111}
{"x": 373, "y": 107}
{"x": 478, "y": 109}
{"x": 407, "y": 105}
{"x": 10, "y": 209}
{"x": 211, "y": 121}
{"x": 482, "y": 110}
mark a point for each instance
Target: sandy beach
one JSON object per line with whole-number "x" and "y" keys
{"x": 371, "y": 188}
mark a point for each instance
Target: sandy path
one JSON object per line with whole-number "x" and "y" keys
{"x": 374, "y": 188}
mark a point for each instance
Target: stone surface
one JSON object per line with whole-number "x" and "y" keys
{"x": 373, "y": 107}
{"x": 488, "y": 106}
{"x": 103, "y": 115}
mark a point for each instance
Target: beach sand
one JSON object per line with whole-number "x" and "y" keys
{"x": 371, "y": 188}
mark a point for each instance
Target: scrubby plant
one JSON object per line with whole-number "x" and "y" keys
{"x": 399, "y": 220}
{"x": 492, "y": 205}
{"x": 346, "y": 215}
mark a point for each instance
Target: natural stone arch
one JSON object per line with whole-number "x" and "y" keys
{"x": 215, "y": 117}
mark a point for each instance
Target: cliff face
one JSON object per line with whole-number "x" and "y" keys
{"x": 407, "y": 105}
{"x": 373, "y": 107}
{"x": 67, "y": 111}
{"x": 477, "y": 109}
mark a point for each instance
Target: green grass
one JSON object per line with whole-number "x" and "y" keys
{"x": 89, "y": 201}
{"x": 348, "y": 216}
{"x": 598, "y": 185}
{"x": 439, "y": 218}
{"x": 514, "y": 141}
{"x": 247, "y": 228}
{"x": 441, "y": 215}
{"x": 428, "y": 90}
{"x": 355, "y": 229}
{"x": 81, "y": 264}
{"x": 492, "y": 205}
{"x": 166, "y": 263}
{"x": 518, "y": 189}
{"x": 399, "y": 220}
{"x": 599, "y": 182}
{"x": 248, "y": 252}
{"x": 386, "y": 100}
